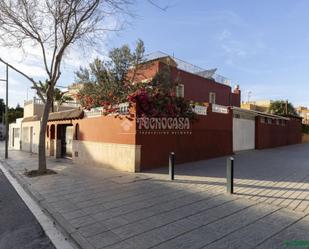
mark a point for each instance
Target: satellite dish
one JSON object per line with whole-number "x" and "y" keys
{"x": 207, "y": 73}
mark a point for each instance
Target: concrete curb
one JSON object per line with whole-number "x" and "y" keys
{"x": 72, "y": 235}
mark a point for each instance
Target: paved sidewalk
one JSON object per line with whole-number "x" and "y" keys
{"x": 277, "y": 176}
{"x": 102, "y": 208}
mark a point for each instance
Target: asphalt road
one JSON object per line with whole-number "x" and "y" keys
{"x": 18, "y": 227}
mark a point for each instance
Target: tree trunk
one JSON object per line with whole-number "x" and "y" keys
{"x": 42, "y": 151}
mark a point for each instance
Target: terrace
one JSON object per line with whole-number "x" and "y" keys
{"x": 188, "y": 67}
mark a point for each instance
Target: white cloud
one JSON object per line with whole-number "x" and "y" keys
{"x": 236, "y": 48}
{"x": 222, "y": 16}
{"x": 30, "y": 62}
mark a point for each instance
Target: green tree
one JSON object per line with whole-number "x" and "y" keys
{"x": 15, "y": 113}
{"x": 305, "y": 128}
{"x": 60, "y": 98}
{"x": 109, "y": 80}
{"x": 117, "y": 80}
{"x": 2, "y": 110}
{"x": 53, "y": 27}
{"x": 282, "y": 107}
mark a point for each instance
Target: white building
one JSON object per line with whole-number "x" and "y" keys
{"x": 15, "y": 134}
{"x": 24, "y": 134}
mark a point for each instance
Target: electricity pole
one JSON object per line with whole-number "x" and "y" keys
{"x": 6, "y": 112}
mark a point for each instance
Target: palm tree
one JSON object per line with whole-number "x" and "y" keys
{"x": 59, "y": 97}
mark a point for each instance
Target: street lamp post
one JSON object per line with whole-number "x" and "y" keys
{"x": 6, "y": 112}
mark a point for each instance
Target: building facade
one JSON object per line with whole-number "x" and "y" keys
{"x": 260, "y": 130}
{"x": 123, "y": 141}
{"x": 15, "y": 134}
{"x": 119, "y": 142}
{"x": 24, "y": 133}
{"x": 194, "y": 83}
{"x": 304, "y": 113}
{"x": 258, "y": 105}
{"x": 90, "y": 138}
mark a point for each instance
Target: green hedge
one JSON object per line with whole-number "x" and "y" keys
{"x": 305, "y": 128}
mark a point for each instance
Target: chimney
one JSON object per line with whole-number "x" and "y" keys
{"x": 236, "y": 89}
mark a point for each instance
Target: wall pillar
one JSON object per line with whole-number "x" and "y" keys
{"x": 57, "y": 142}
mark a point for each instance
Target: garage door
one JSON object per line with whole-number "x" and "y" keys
{"x": 243, "y": 134}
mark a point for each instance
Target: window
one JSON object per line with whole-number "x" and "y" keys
{"x": 180, "y": 90}
{"x": 212, "y": 98}
{"x": 269, "y": 121}
{"x": 25, "y": 134}
{"x": 278, "y": 122}
{"x": 16, "y": 132}
{"x": 263, "y": 120}
{"x": 236, "y": 115}
{"x": 52, "y": 131}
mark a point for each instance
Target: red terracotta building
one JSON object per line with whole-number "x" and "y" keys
{"x": 90, "y": 138}
{"x": 195, "y": 83}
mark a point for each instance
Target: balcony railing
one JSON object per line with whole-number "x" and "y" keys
{"x": 188, "y": 67}
{"x": 122, "y": 108}
{"x": 33, "y": 101}
{"x": 70, "y": 104}
{"x": 37, "y": 101}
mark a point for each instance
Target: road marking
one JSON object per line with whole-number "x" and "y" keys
{"x": 57, "y": 238}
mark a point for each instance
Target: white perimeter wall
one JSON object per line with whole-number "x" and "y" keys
{"x": 15, "y": 137}
{"x": 25, "y": 136}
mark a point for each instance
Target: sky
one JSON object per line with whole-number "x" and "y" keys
{"x": 263, "y": 46}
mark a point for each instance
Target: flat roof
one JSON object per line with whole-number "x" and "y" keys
{"x": 262, "y": 114}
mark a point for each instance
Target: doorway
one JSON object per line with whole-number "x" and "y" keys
{"x": 66, "y": 141}
{"x": 243, "y": 133}
{"x": 31, "y": 139}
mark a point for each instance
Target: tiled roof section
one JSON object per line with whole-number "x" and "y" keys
{"x": 65, "y": 115}
{"x": 30, "y": 119}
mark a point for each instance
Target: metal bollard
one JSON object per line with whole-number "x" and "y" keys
{"x": 230, "y": 175}
{"x": 171, "y": 165}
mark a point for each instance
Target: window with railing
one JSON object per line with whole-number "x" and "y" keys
{"x": 212, "y": 98}
{"x": 180, "y": 90}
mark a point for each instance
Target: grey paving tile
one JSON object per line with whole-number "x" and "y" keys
{"x": 280, "y": 240}
{"x": 257, "y": 232}
{"x": 100, "y": 241}
{"x": 82, "y": 221}
{"x": 191, "y": 240}
{"x": 73, "y": 214}
{"x": 219, "y": 212}
{"x": 154, "y": 237}
{"x": 231, "y": 243}
{"x": 93, "y": 229}
{"x": 112, "y": 206}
